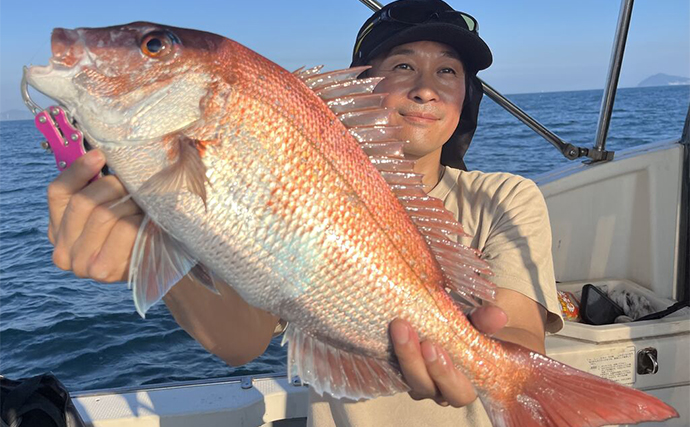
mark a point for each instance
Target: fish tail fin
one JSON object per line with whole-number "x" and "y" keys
{"x": 555, "y": 394}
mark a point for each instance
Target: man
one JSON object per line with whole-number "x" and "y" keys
{"x": 429, "y": 56}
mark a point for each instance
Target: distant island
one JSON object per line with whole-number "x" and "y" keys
{"x": 664, "y": 80}
{"x": 16, "y": 115}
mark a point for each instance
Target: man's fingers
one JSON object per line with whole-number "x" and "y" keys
{"x": 455, "y": 388}
{"x": 101, "y": 222}
{"x": 112, "y": 262}
{"x": 105, "y": 191}
{"x": 70, "y": 182}
{"x": 408, "y": 352}
{"x": 488, "y": 319}
{"x": 428, "y": 369}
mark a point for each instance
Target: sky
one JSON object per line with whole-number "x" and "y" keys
{"x": 538, "y": 45}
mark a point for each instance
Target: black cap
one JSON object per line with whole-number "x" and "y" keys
{"x": 407, "y": 21}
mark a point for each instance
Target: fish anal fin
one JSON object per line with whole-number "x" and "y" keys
{"x": 158, "y": 262}
{"x": 340, "y": 373}
{"x": 186, "y": 170}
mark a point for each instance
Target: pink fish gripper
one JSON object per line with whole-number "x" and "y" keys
{"x": 62, "y": 138}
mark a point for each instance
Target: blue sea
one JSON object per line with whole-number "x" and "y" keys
{"x": 89, "y": 335}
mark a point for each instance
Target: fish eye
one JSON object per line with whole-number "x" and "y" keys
{"x": 154, "y": 45}
{"x": 157, "y": 44}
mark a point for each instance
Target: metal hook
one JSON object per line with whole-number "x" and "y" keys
{"x": 30, "y": 104}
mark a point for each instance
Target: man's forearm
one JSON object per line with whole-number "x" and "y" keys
{"x": 224, "y": 324}
{"x": 522, "y": 337}
{"x": 526, "y": 320}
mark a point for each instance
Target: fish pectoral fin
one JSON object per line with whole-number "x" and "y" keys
{"x": 340, "y": 373}
{"x": 203, "y": 275}
{"x": 158, "y": 262}
{"x": 188, "y": 170}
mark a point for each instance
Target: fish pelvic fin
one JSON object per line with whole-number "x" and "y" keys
{"x": 158, "y": 262}
{"x": 354, "y": 102}
{"x": 557, "y": 395}
{"x": 340, "y": 373}
{"x": 187, "y": 170}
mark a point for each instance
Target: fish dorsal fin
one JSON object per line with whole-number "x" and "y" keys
{"x": 303, "y": 73}
{"x": 158, "y": 262}
{"x": 321, "y": 80}
{"x": 340, "y": 373}
{"x": 363, "y": 114}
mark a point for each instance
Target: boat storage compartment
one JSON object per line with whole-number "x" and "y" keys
{"x": 618, "y": 224}
{"x": 650, "y": 355}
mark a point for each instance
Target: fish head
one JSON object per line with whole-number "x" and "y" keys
{"x": 129, "y": 83}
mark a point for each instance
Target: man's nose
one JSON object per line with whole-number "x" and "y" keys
{"x": 424, "y": 89}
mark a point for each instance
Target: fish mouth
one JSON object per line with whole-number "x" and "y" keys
{"x": 68, "y": 54}
{"x": 68, "y": 50}
{"x": 67, "y": 47}
{"x": 43, "y": 70}
{"x": 52, "y": 80}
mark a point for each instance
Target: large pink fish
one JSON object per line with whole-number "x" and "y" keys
{"x": 307, "y": 209}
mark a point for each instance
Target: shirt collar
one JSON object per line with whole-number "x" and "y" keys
{"x": 445, "y": 185}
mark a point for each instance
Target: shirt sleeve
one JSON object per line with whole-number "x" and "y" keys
{"x": 517, "y": 245}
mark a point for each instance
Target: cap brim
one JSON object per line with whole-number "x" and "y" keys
{"x": 474, "y": 53}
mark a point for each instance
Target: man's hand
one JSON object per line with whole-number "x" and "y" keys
{"x": 94, "y": 239}
{"x": 428, "y": 369}
{"x": 91, "y": 237}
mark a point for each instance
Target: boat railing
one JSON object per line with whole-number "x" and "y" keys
{"x": 246, "y": 382}
{"x": 684, "y": 222}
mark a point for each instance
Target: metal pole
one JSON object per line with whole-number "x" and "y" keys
{"x": 612, "y": 78}
{"x": 568, "y": 150}
{"x": 372, "y": 4}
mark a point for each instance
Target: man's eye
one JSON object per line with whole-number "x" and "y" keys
{"x": 447, "y": 71}
{"x": 402, "y": 67}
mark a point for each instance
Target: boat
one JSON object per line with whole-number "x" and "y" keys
{"x": 619, "y": 220}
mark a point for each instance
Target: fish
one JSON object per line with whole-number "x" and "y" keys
{"x": 292, "y": 188}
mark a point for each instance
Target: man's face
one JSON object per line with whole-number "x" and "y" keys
{"x": 426, "y": 85}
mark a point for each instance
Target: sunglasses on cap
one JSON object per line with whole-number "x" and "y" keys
{"x": 414, "y": 14}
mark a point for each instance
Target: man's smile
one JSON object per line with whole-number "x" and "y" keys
{"x": 419, "y": 117}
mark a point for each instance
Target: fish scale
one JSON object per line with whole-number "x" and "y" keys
{"x": 298, "y": 182}
{"x": 338, "y": 148}
{"x": 248, "y": 179}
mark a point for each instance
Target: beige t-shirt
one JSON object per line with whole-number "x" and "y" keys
{"x": 507, "y": 217}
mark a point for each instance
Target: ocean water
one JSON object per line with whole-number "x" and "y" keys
{"x": 89, "y": 335}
